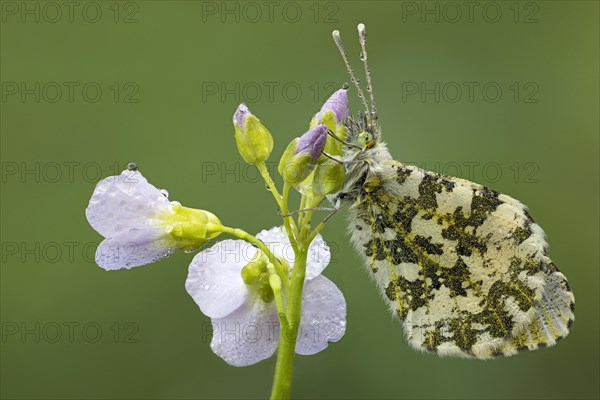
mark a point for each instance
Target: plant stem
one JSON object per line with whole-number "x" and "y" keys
{"x": 302, "y": 207}
{"x": 289, "y": 228}
{"x": 282, "y": 383}
{"x": 275, "y": 283}
{"x": 262, "y": 168}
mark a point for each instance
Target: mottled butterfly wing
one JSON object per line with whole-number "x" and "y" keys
{"x": 463, "y": 266}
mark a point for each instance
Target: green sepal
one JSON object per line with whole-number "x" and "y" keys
{"x": 328, "y": 178}
{"x": 191, "y": 228}
{"x": 295, "y": 168}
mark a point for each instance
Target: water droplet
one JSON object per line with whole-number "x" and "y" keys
{"x": 345, "y": 86}
{"x": 132, "y": 166}
{"x": 165, "y": 193}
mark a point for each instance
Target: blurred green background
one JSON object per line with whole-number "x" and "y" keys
{"x": 503, "y": 93}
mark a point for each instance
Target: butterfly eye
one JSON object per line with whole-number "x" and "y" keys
{"x": 365, "y": 139}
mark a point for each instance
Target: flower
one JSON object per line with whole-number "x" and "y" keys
{"x": 245, "y": 326}
{"x": 253, "y": 139}
{"x": 141, "y": 225}
{"x": 301, "y": 155}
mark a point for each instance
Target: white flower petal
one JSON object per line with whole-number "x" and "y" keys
{"x": 247, "y": 336}
{"x": 215, "y": 277}
{"x": 323, "y": 316}
{"x": 277, "y": 242}
{"x": 135, "y": 247}
{"x": 318, "y": 257}
{"x": 123, "y": 202}
{"x": 318, "y": 252}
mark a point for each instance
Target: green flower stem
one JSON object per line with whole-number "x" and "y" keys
{"x": 312, "y": 202}
{"x": 319, "y": 227}
{"x": 282, "y": 383}
{"x": 302, "y": 207}
{"x": 289, "y": 228}
{"x": 275, "y": 283}
{"x": 307, "y": 220}
{"x": 281, "y": 201}
{"x": 281, "y": 265}
{"x": 300, "y": 237}
{"x": 316, "y": 231}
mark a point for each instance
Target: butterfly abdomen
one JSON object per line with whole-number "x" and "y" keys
{"x": 463, "y": 266}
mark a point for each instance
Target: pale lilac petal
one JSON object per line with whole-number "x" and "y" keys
{"x": 134, "y": 247}
{"x": 215, "y": 277}
{"x": 247, "y": 336}
{"x": 318, "y": 252}
{"x": 124, "y": 201}
{"x": 277, "y": 242}
{"x": 323, "y": 316}
{"x": 240, "y": 116}
{"x": 338, "y": 102}
{"x": 318, "y": 257}
{"x": 313, "y": 142}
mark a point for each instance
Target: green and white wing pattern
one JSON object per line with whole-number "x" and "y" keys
{"x": 464, "y": 267}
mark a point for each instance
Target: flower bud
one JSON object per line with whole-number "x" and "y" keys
{"x": 191, "y": 228}
{"x": 338, "y": 104}
{"x": 253, "y": 270}
{"x": 313, "y": 142}
{"x": 256, "y": 276}
{"x": 329, "y": 178}
{"x": 275, "y": 282}
{"x": 301, "y": 155}
{"x": 332, "y": 114}
{"x": 254, "y": 141}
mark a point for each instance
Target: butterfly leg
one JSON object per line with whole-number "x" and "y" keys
{"x": 306, "y": 209}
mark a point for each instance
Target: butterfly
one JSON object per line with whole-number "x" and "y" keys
{"x": 464, "y": 267}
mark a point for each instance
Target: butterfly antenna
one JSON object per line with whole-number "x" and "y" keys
{"x": 362, "y": 37}
{"x": 340, "y": 45}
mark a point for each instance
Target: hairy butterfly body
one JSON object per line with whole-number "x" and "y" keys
{"x": 464, "y": 267}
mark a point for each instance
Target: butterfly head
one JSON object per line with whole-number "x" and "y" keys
{"x": 366, "y": 139}
{"x": 363, "y": 131}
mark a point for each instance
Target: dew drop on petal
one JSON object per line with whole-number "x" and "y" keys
{"x": 164, "y": 193}
{"x": 132, "y": 166}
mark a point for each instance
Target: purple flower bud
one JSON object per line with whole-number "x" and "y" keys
{"x": 240, "y": 115}
{"x": 313, "y": 142}
{"x": 338, "y": 103}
